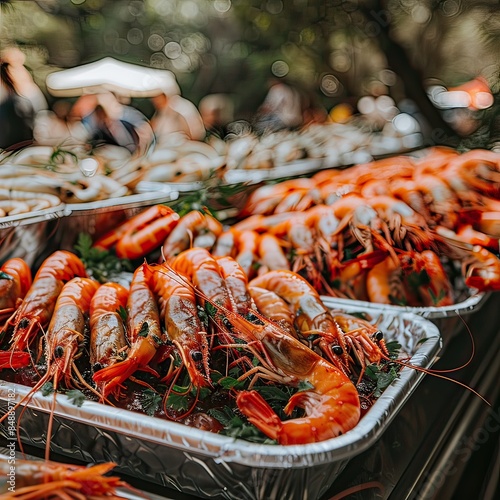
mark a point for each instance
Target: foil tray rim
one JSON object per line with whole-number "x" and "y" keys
{"x": 469, "y": 305}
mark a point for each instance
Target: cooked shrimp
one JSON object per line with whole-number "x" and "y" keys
{"x": 312, "y": 317}
{"x": 178, "y": 309}
{"x": 107, "y": 327}
{"x": 189, "y": 226}
{"x": 144, "y": 331}
{"x": 38, "y": 304}
{"x": 15, "y": 281}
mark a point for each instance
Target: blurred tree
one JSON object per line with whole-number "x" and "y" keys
{"x": 338, "y": 50}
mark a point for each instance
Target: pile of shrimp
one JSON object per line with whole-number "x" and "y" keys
{"x": 194, "y": 327}
{"x": 377, "y": 249}
{"x": 394, "y": 231}
{"x": 38, "y": 480}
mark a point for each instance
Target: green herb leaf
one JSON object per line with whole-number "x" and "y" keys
{"x": 393, "y": 347}
{"x": 76, "y": 397}
{"x": 143, "y": 332}
{"x": 47, "y": 388}
{"x": 422, "y": 340}
{"x": 5, "y": 276}
{"x": 231, "y": 383}
{"x": 123, "y": 313}
{"x": 102, "y": 265}
{"x": 150, "y": 401}
{"x": 177, "y": 402}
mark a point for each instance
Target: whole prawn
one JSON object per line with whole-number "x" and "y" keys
{"x": 15, "y": 281}
{"x": 135, "y": 223}
{"x": 331, "y": 407}
{"x": 237, "y": 284}
{"x": 202, "y": 270}
{"x": 190, "y": 226}
{"x": 178, "y": 308}
{"x": 312, "y": 317}
{"x": 481, "y": 270}
{"x": 273, "y": 307}
{"x": 35, "y": 311}
{"x": 38, "y": 480}
{"x": 430, "y": 281}
{"x": 107, "y": 327}
{"x": 142, "y": 239}
{"x": 63, "y": 339}
{"x": 145, "y": 335}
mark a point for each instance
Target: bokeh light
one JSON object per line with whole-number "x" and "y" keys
{"x": 280, "y": 68}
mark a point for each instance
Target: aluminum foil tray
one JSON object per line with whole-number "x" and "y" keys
{"x": 26, "y": 235}
{"x": 206, "y": 464}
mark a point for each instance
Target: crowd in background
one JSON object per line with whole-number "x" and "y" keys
{"x": 106, "y": 117}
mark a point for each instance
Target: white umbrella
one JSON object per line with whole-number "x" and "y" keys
{"x": 119, "y": 77}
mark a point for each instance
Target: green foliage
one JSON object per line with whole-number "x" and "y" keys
{"x": 102, "y": 265}
{"x": 76, "y": 397}
{"x": 150, "y": 401}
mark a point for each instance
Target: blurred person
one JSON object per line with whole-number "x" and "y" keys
{"x": 20, "y": 99}
{"x": 281, "y": 109}
{"x": 51, "y": 127}
{"x": 217, "y": 111}
{"x": 102, "y": 119}
{"x": 176, "y": 115}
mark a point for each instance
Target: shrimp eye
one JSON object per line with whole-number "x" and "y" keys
{"x": 96, "y": 367}
{"x": 196, "y": 355}
{"x": 379, "y": 335}
{"x": 58, "y": 351}
{"x": 24, "y": 323}
{"x": 337, "y": 350}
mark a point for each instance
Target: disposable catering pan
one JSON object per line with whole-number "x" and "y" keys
{"x": 448, "y": 319}
{"x": 26, "y": 235}
{"x": 97, "y": 217}
{"x": 205, "y": 464}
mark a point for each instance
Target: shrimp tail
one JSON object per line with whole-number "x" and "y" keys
{"x": 259, "y": 413}
{"x": 115, "y": 374}
{"x": 14, "y": 359}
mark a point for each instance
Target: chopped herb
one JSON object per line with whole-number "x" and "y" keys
{"x": 236, "y": 427}
{"x": 393, "y": 347}
{"x": 422, "y": 340}
{"x": 437, "y": 298}
{"x": 382, "y": 378}
{"x": 76, "y": 397}
{"x": 47, "y": 388}
{"x": 270, "y": 392}
{"x": 150, "y": 401}
{"x": 177, "y": 402}
{"x": 123, "y": 313}
{"x": 100, "y": 264}
{"x": 231, "y": 383}
{"x": 143, "y": 332}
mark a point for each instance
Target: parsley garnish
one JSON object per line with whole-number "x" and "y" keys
{"x": 150, "y": 401}
{"x": 47, "y": 388}
{"x": 100, "y": 264}
{"x": 76, "y": 397}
